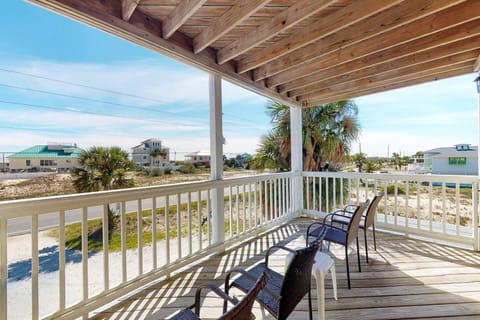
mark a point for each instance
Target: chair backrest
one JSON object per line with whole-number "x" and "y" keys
{"x": 243, "y": 309}
{"x": 372, "y": 209}
{"x": 352, "y": 229}
{"x": 297, "y": 279}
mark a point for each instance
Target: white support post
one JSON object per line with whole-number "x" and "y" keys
{"x": 296, "y": 158}
{"x": 477, "y": 214}
{"x": 216, "y": 159}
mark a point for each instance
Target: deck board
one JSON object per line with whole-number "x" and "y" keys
{"x": 405, "y": 279}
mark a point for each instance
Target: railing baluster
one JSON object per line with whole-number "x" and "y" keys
{"x": 475, "y": 216}
{"x": 189, "y": 222}
{"x": 167, "y": 229}
{"x": 85, "y": 252}
{"x": 105, "y": 231}
{"x": 255, "y": 186}
{"x": 249, "y": 206}
{"x": 314, "y": 189}
{"x": 230, "y": 210}
{"x": 179, "y": 229}
{"x": 430, "y": 206}
{"x": 418, "y": 205}
{"x": 457, "y": 209}
{"x": 334, "y": 191}
{"x": 327, "y": 194}
{"x": 61, "y": 259}
{"x": 341, "y": 192}
{"x": 444, "y": 207}
{"x": 237, "y": 207}
{"x": 3, "y": 269}
{"x": 154, "y": 232}
{"x": 35, "y": 291}
{"x": 395, "y": 202}
{"x": 209, "y": 238}
{"x": 307, "y": 182}
{"x": 140, "y": 236}
{"x": 320, "y": 196}
{"x": 199, "y": 218}
{"x": 123, "y": 239}
{"x": 262, "y": 197}
{"x": 407, "y": 195}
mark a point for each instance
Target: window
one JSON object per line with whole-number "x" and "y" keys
{"x": 457, "y": 161}
{"x": 48, "y": 163}
{"x": 27, "y": 163}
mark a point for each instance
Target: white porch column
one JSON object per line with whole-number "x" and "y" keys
{"x": 216, "y": 157}
{"x": 476, "y": 223}
{"x": 296, "y": 158}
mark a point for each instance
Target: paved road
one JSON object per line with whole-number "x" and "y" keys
{"x": 22, "y": 225}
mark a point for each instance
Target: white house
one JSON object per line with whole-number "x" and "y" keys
{"x": 460, "y": 159}
{"x": 151, "y": 153}
{"x": 199, "y": 158}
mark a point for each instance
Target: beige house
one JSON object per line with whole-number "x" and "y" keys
{"x": 199, "y": 158}
{"x": 151, "y": 153}
{"x": 51, "y": 157}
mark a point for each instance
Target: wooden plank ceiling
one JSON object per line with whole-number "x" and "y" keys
{"x": 300, "y": 52}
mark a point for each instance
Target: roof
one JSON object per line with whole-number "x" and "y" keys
{"x": 43, "y": 151}
{"x": 299, "y": 52}
{"x": 202, "y": 153}
{"x": 453, "y": 152}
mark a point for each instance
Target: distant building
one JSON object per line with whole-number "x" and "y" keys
{"x": 51, "y": 157}
{"x": 150, "y": 153}
{"x": 461, "y": 159}
{"x": 199, "y": 158}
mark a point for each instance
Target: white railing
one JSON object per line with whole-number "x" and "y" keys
{"x": 433, "y": 206}
{"x": 58, "y": 257}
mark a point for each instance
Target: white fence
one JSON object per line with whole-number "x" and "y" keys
{"x": 59, "y": 258}
{"x": 432, "y": 206}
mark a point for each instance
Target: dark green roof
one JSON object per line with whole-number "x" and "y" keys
{"x": 48, "y": 151}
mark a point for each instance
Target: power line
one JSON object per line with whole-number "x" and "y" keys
{"x": 82, "y": 85}
{"x": 95, "y": 100}
{"x": 88, "y": 112}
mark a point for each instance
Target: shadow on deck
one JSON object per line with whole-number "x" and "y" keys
{"x": 405, "y": 279}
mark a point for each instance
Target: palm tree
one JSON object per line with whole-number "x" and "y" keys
{"x": 155, "y": 153}
{"x": 103, "y": 169}
{"x": 327, "y": 132}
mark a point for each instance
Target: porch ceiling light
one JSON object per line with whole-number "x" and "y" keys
{"x": 477, "y": 81}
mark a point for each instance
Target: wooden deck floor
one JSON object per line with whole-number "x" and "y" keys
{"x": 405, "y": 279}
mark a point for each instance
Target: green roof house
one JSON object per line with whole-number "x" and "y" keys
{"x": 51, "y": 157}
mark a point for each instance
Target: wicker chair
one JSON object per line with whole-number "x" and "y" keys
{"x": 242, "y": 310}
{"x": 367, "y": 220}
{"x": 339, "y": 235}
{"x": 282, "y": 293}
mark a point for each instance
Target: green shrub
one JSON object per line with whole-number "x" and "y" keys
{"x": 187, "y": 168}
{"x": 156, "y": 172}
{"x": 167, "y": 170}
{"x": 391, "y": 189}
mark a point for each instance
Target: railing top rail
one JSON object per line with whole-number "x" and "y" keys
{"x": 396, "y": 176}
{"x": 26, "y": 207}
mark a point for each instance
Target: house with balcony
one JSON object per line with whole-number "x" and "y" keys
{"x": 50, "y": 157}
{"x": 198, "y": 158}
{"x": 151, "y": 153}
{"x": 300, "y": 53}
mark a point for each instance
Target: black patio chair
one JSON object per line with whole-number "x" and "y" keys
{"x": 242, "y": 310}
{"x": 367, "y": 220}
{"x": 339, "y": 235}
{"x": 282, "y": 293}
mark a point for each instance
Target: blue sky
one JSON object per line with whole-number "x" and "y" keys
{"x": 61, "y": 81}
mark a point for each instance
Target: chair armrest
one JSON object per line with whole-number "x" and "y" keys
{"x": 269, "y": 251}
{"x": 214, "y": 289}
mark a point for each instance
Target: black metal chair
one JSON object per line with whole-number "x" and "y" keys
{"x": 339, "y": 235}
{"x": 282, "y": 293}
{"x": 367, "y": 220}
{"x": 242, "y": 310}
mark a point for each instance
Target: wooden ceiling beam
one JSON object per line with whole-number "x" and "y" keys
{"x": 286, "y": 19}
{"x": 476, "y": 66}
{"x": 241, "y": 10}
{"x": 454, "y": 37}
{"x": 406, "y": 34}
{"x": 128, "y": 7}
{"x": 387, "y": 78}
{"x": 428, "y": 60}
{"x": 141, "y": 29}
{"x": 356, "y": 11}
{"x": 181, "y": 13}
{"x": 376, "y": 88}
{"x": 406, "y": 12}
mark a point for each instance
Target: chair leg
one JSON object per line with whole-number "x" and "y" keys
{"x": 358, "y": 258}
{"x": 374, "y": 240}
{"x": 310, "y": 302}
{"x": 366, "y": 245}
{"x": 348, "y": 267}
